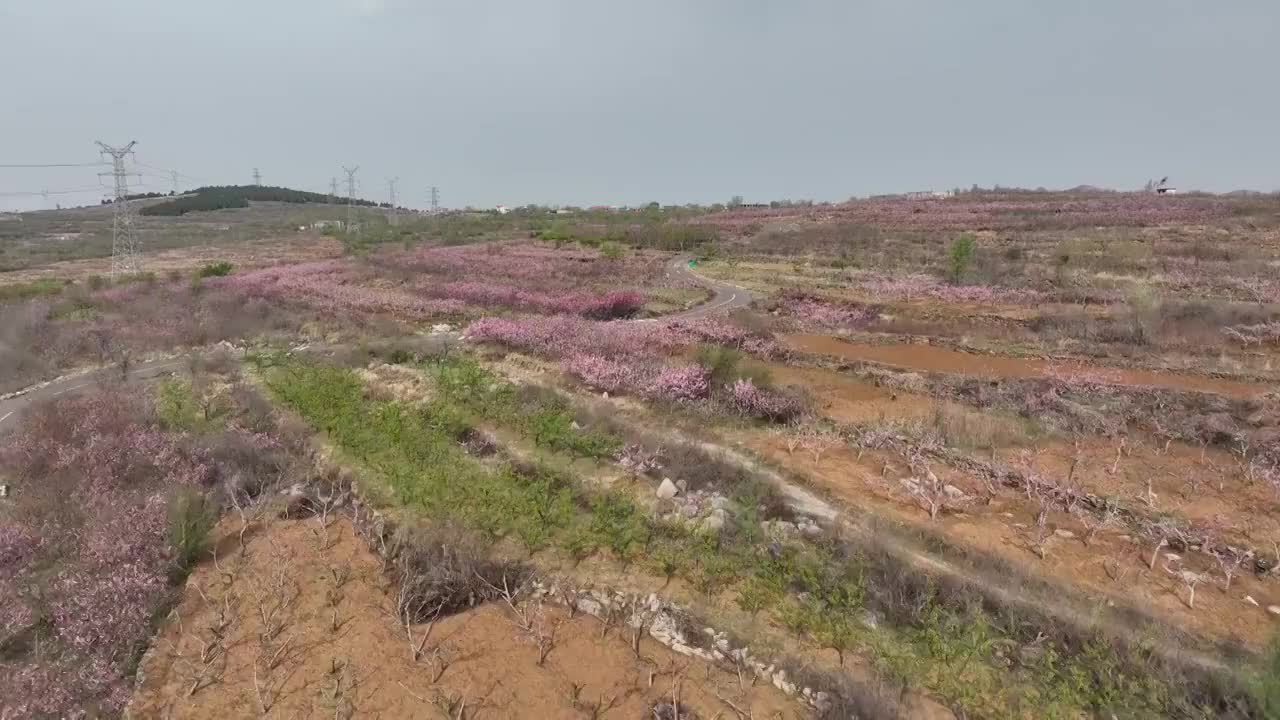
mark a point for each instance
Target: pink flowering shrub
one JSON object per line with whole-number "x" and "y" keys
{"x": 754, "y": 401}
{"x": 680, "y": 382}
{"x": 603, "y": 306}
{"x": 812, "y": 310}
{"x": 601, "y": 373}
{"x": 639, "y": 377}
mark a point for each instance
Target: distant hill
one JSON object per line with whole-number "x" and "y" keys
{"x": 235, "y": 196}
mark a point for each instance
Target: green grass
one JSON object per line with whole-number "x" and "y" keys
{"x": 180, "y": 406}
{"x": 819, "y": 592}
{"x": 42, "y": 287}
{"x": 546, "y": 419}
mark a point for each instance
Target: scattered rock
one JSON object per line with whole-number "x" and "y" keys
{"x": 720, "y": 502}
{"x": 574, "y": 425}
{"x": 952, "y": 491}
{"x": 605, "y": 395}
{"x": 1274, "y": 610}
{"x": 1249, "y": 599}
{"x": 667, "y": 489}
{"x": 683, "y": 485}
{"x": 441, "y": 328}
{"x": 689, "y": 510}
{"x": 1006, "y": 514}
{"x": 1064, "y": 533}
{"x": 715, "y": 521}
{"x": 1020, "y": 526}
{"x": 1172, "y": 557}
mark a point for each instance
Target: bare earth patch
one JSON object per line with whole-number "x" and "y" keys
{"x": 300, "y": 626}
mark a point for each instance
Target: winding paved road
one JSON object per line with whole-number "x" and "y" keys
{"x": 11, "y": 408}
{"x": 726, "y": 298}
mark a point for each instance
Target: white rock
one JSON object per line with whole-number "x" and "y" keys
{"x": 667, "y": 489}
{"x": 952, "y": 491}
{"x": 441, "y": 328}
{"x": 1249, "y": 599}
{"x": 605, "y": 395}
{"x": 1274, "y": 610}
{"x": 1172, "y": 557}
{"x": 683, "y": 485}
{"x": 714, "y": 522}
{"x": 1064, "y": 533}
{"x": 574, "y": 425}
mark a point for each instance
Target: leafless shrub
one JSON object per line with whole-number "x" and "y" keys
{"x": 592, "y": 710}
{"x": 926, "y": 487}
{"x": 447, "y": 568}
{"x": 1189, "y": 579}
{"x": 1096, "y": 522}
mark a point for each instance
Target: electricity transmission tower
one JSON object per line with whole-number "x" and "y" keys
{"x": 351, "y": 195}
{"x": 391, "y": 192}
{"x": 174, "y": 175}
{"x": 257, "y": 177}
{"x": 435, "y": 199}
{"x": 333, "y": 190}
{"x": 124, "y": 242}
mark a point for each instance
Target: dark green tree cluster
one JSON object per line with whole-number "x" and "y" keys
{"x": 235, "y": 196}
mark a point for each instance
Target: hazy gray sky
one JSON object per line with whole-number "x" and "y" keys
{"x": 603, "y": 101}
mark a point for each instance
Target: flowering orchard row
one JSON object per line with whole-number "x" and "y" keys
{"x": 339, "y": 287}
{"x": 564, "y": 335}
{"x": 90, "y": 547}
{"x": 93, "y": 484}
{"x": 997, "y": 212}
{"x": 529, "y": 265}
{"x": 633, "y": 358}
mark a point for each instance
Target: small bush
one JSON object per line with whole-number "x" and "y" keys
{"x": 959, "y": 257}
{"x": 1266, "y": 685}
{"x": 191, "y": 518}
{"x": 619, "y": 524}
{"x": 758, "y": 402}
{"x": 611, "y": 250}
{"x": 217, "y": 269}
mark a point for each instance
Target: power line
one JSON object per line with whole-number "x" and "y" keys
{"x": 124, "y": 242}
{"x": 53, "y": 165}
{"x": 71, "y": 191}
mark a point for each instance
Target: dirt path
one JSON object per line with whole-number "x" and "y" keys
{"x": 935, "y": 359}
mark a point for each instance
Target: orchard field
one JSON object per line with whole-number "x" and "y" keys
{"x": 1006, "y": 454}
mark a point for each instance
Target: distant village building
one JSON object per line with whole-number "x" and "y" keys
{"x": 502, "y": 210}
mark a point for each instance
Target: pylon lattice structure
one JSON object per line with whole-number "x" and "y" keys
{"x": 393, "y": 218}
{"x": 124, "y": 239}
{"x": 351, "y": 197}
{"x": 435, "y": 199}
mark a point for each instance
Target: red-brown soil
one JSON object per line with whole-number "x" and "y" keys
{"x": 364, "y": 668}
{"x": 936, "y": 359}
